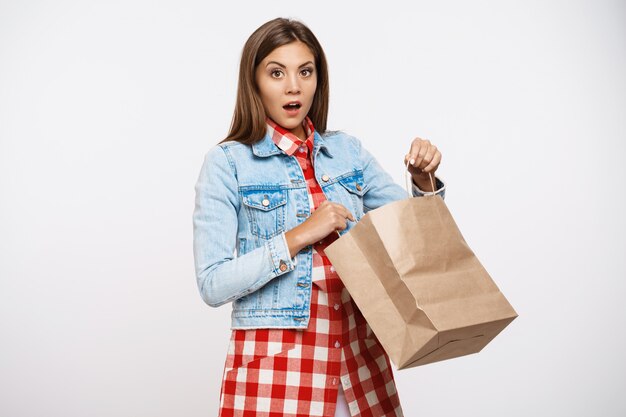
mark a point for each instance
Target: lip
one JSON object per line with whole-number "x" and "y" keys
{"x": 292, "y": 112}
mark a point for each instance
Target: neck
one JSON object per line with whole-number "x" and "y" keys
{"x": 299, "y": 132}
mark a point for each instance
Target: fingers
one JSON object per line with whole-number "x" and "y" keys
{"x": 423, "y": 149}
{"x": 340, "y": 210}
{"x": 408, "y": 159}
{"x": 423, "y": 155}
{"x": 434, "y": 163}
{"x": 349, "y": 215}
{"x": 344, "y": 212}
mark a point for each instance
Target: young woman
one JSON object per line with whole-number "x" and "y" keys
{"x": 269, "y": 198}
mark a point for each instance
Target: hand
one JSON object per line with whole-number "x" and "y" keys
{"x": 425, "y": 159}
{"x": 327, "y": 218}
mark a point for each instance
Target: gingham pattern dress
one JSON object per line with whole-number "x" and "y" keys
{"x": 299, "y": 373}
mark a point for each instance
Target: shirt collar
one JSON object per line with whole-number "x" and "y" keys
{"x": 265, "y": 146}
{"x": 286, "y": 140}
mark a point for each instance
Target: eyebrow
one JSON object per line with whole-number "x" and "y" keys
{"x": 281, "y": 65}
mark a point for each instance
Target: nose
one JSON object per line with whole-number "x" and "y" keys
{"x": 293, "y": 85}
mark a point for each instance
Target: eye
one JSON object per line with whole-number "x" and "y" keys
{"x": 309, "y": 71}
{"x": 275, "y": 71}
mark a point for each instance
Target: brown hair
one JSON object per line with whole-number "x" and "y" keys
{"x": 248, "y": 123}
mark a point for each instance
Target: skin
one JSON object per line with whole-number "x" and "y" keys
{"x": 424, "y": 160}
{"x": 288, "y": 73}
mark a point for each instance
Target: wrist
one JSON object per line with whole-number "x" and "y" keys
{"x": 295, "y": 241}
{"x": 422, "y": 181}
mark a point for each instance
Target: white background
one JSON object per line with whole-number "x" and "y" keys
{"x": 106, "y": 112}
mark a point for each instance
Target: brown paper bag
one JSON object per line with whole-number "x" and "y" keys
{"x": 420, "y": 287}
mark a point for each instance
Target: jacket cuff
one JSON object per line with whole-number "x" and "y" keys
{"x": 279, "y": 251}
{"x": 439, "y": 185}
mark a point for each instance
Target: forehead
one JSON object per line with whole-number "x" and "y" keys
{"x": 295, "y": 53}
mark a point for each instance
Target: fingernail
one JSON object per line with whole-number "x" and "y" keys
{"x": 412, "y": 161}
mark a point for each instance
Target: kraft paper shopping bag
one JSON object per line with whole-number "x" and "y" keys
{"x": 420, "y": 287}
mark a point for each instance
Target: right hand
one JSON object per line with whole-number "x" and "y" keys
{"x": 326, "y": 219}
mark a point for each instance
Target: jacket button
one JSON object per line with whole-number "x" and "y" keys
{"x": 325, "y": 177}
{"x": 265, "y": 202}
{"x": 283, "y": 266}
{"x": 358, "y": 187}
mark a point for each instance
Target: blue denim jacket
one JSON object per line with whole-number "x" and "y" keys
{"x": 240, "y": 249}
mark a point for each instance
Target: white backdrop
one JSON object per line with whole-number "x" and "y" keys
{"x": 107, "y": 109}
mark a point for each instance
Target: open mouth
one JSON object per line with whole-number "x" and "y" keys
{"x": 292, "y": 106}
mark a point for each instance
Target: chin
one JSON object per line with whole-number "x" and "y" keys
{"x": 289, "y": 123}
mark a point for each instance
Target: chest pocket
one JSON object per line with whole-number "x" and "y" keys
{"x": 356, "y": 187}
{"x": 266, "y": 210}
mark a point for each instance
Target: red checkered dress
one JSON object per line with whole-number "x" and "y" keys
{"x": 297, "y": 373}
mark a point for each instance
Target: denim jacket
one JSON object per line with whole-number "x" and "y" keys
{"x": 248, "y": 196}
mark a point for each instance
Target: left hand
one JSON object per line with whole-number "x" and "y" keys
{"x": 426, "y": 159}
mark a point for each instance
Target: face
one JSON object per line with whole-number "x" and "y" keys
{"x": 288, "y": 75}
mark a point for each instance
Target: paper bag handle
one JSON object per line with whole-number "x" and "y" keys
{"x": 409, "y": 182}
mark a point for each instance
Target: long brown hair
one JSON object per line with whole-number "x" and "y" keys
{"x": 248, "y": 123}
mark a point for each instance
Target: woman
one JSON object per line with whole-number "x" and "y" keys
{"x": 277, "y": 191}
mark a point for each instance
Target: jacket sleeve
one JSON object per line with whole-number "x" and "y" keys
{"x": 221, "y": 276}
{"x": 382, "y": 188}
